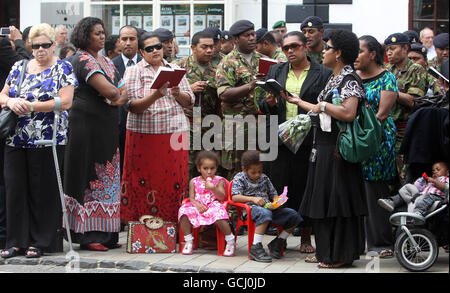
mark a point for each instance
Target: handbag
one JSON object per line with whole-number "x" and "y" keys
{"x": 8, "y": 119}
{"x": 359, "y": 140}
{"x": 151, "y": 235}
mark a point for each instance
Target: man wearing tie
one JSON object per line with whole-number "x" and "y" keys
{"x": 128, "y": 41}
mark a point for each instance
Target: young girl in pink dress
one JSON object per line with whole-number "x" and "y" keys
{"x": 204, "y": 207}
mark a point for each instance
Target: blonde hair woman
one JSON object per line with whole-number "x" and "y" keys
{"x": 34, "y": 212}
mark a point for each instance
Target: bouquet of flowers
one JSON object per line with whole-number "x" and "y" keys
{"x": 293, "y": 132}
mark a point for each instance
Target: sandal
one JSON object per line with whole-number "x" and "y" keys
{"x": 12, "y": 252}
{"x": 33, "y": 252}
{"x": 311, "y": 259}
{"x": 306, "y": 248}
{"x": 386, "y": 253}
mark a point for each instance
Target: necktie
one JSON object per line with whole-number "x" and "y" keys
{"x": 130, "y": 62}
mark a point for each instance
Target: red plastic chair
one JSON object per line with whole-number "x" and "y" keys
{"x": 248, "y": 221}
{"x": 195, "y": 231}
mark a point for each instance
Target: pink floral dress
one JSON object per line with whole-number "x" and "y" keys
{"x": 215, "y": 209}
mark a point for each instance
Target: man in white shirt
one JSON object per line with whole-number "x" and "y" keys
{"x": 427, "y": 37}
{"x": 61, "y": 38}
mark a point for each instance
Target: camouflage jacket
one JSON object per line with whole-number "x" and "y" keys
{"x": 413, "y": 81}
{"x": 279, "y": 56}
{"x": 208, "y": 99}
{"x": 215, "y": 61}
{"x": 316, "y": 56}
{"x": 435, "y": 63}
{"x": 433, "y": 85}
{"x": 235, "y": 71}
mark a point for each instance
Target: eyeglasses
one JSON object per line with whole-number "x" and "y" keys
{"x": 150, "y": 49}
{"x": 328, "y": 47}
{"x": 292, "y": 46}
{"x": 43, "y": 45}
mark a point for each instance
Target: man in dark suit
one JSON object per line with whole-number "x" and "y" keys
{"x": 128, "y": 41}
{"x": 8, "y": 56}
{"x": 302, "y": 76}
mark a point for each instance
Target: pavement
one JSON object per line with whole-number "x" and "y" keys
{"x": 203, "y": 261}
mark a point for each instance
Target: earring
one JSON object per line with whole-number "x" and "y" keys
{"x": 337, "y": 60}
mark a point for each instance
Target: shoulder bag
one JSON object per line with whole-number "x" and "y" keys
{"x": 359, "y": 140}
{"x": 8, "y": 119}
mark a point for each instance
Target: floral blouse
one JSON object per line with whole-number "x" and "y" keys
{"x": 350, "y": 88}
{"x": 41, "y": 87}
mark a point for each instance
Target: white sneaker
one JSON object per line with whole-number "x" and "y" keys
{"x": 188, "y": 248}
{"x": 229, "y": 249}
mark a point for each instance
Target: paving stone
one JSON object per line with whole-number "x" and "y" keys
{"x": 107, "y": 264}
{"x": 184, "y": 268}
{"x": 160, "y": 267}
{"x": 55, "y": 261}
{"x": 215, "y": 270}
{"x": 132, "y": 265}
{"x": 87, "y": 263}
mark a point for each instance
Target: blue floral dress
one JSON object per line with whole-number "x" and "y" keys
{"x": 40, "y": 87}
{"x": 381, "y": 167}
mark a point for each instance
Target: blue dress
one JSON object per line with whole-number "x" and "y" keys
{"x": 381, "y": 166}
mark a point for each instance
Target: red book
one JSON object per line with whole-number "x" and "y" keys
{"x": 264, "y": 65}
{"x": 165, "y": 74}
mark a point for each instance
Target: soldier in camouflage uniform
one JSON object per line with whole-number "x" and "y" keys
{"x": 236, "y": 78}
{"x": 267, "y": 45}
{"x": 312, "y": 28}
{"x": 200, "y": 74}
{"x": 412, "y": 83}
{"x": 440, "y": 43}
{"x": 217, "y": 54}
{"x": 166, "y": 38}
{"x": 418, "y": 54}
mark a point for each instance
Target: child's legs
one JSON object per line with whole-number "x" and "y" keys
{"x": 424, "y": 202}
{"x": 288, "y": 218}
{"x": 408, "y": 192}
{"x": 224, "y": 227}
{"x": 262, "y": 217}
{"x": 186, "y": 226}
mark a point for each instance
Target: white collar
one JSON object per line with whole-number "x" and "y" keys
{"x": 125, "y": 59}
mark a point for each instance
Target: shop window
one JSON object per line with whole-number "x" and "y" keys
{"x": 429, "y": 13}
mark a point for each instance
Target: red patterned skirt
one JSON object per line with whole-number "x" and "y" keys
{"x": 155, "y": 177}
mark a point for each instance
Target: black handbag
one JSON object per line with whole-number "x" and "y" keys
{"x": 8, "y": 119}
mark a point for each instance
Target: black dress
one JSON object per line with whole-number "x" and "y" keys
{"x": 92, "y": 161}
{"x": 334, "y": 194}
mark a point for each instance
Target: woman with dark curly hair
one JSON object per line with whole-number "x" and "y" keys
{"x": 334, "y": 193}
{"x": 92, "y": 170}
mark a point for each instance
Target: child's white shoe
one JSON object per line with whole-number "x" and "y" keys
{"x": 188, "y": 248}
{"x": 229, "y": 249}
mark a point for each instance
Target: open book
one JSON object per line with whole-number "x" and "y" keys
{"x": 165, "y": 74}
{"x": 273, "y": 86}
{"x": 434, "y": 72}
{"x": 264, "y": 65}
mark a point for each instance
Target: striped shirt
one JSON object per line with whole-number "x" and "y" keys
{"x": 165, "y": 115}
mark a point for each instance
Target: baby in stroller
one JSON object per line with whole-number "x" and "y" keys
{"x": 423, "y": 193}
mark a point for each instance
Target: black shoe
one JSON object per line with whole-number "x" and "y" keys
{"x": 272, "y": 231}
{"x": 258, "y": 253}
{"x": 275, "y": 247}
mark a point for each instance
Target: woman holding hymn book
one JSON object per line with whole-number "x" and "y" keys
{"x": 156, "y": 152}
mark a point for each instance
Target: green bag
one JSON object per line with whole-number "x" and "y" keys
{"x": 359, "y": 140}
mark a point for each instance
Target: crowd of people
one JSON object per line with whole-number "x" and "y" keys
{"x": 115, "y": 135}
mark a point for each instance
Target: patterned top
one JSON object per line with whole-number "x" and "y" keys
{"x": 165, "y": 115}
{"x": 350, "y": 89}
{"x": 262, "y": 187}
{"x": 40, "y": 87}
{"x": 381, "y": 166}
{"x": 430, "y": 188}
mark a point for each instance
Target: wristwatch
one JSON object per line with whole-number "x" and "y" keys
{"x": 322, "y": 106}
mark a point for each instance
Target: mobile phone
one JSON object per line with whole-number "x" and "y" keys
{"x": 5, "y": 31}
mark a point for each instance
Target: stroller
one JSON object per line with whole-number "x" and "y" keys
{"x": 418, "y": 238}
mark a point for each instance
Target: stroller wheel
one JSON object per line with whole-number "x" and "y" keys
{"x": 420, "y": 257}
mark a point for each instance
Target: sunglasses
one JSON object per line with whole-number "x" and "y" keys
{"x": 327, "y": 47}
{"x": 43, "y": 45}
{"x": 291, "y": 46}
{"x": 150, "y": 49}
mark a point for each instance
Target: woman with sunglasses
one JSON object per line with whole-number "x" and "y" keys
{"x": 301, "y": 76}
{"x": 92, "y": 161}
{"x": 155, "y": 175}
{"x": 334, "y": 193}
{"x": 32, "y": 194}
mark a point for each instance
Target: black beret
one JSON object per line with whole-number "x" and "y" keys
{"x": 419, "y": 48}
{"x": 163, "y": 34}
{"x": 312, "y": 22}
{"x": 215, "y": 32}
{"x": 413, "y": 36}
{"x": 226, "y": 35}
{"x": 441, "y": 41}
{"x": 260, "y": 34}
{"x": 280, "y": 23}
{"x": 241, "y": 26}
{"x": 396, "y": 39}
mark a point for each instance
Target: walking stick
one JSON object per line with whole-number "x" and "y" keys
{"x": 53, "y": 143}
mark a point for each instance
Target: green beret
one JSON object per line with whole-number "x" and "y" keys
{"x": 280, "y": 23}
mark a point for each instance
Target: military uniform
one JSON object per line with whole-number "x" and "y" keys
{"x": 441, "y": 42}
{"x": 215, "y": 61}
{"x": 317, "y": 57}
{"x": 314, "y": 22}
{"x": 412, "y": 79}
{"x": 279, "y": 56}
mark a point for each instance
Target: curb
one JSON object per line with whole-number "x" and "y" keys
{"x": 87, "y": 263}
